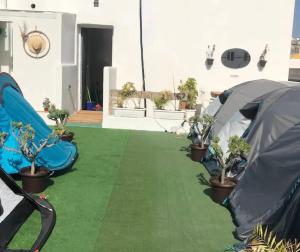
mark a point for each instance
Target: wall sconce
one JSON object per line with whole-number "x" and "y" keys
{"x": 262, "y": 59}
{"x": 210, "y": 55}
{"x": 96, "y": 3}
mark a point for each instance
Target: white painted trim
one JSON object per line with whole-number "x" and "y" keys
{"x": 79, "y": 63}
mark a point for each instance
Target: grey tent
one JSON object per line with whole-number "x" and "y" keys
{"x": 230, "y": 101}
{"x": 268, "y": 193}
{"x": 229, "y": 121}
{"x": 235, "y": 98}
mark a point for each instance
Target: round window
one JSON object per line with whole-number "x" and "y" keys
{"x": 235, "y": 58}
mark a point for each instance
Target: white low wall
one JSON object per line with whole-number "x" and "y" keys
{"x": 148, "y": 124}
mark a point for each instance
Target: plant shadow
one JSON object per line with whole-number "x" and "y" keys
{"x": 49, "y": 182}
{"x": 63, "y": 172}
{"x": 187, "y": 150}
{"x": 202, "y": 180}
{"x": 208, "y": 192}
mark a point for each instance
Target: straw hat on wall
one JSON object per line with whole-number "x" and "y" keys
{"x": 36, "y": 44}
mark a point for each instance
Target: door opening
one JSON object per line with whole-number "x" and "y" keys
{"x": 96, "y": 54}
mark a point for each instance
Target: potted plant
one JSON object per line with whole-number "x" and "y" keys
{"x": 34, "y": 179}
{"x": 46, "y": 104}
{"x": 206, "y": 121}
{"x": 188, "y": 96}
{"x": 160, "y": 102}
{"x": 128, "y": 91}
{"x": 90, "y": 105}
{"x": 60, "y": 116}
{"x": 222, "y": 185}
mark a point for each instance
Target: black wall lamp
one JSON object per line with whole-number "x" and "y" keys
{"x": 96, "y": 3}
{"x": 262, "y": 59}
{"x": 210, "y": 55}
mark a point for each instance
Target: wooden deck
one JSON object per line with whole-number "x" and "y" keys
{"x": 85, "y": 116}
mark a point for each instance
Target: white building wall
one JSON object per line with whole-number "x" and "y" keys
{"x": 47, "y": 76}
{"x": 176, "y": 35}
{"x": 38, "y": 78}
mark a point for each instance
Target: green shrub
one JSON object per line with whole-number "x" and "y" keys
{"x": 237, "y": 147}
{"x": 128, "y": 90}
{"x": 162, "y": 99}
{"x": 189, "y": 93}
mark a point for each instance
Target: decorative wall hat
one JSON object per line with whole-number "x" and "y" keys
{"x": 36, "y": 43}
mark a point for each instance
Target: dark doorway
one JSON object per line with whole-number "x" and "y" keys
{"x": 96, "y": 54}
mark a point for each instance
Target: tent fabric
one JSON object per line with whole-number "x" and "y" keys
{"x": 240, "y": 95}
{"x": 15, "y": 108}
{"x": 236, "y": 125}
{"x": 229, "y": 121}
{"x": 213, "y": 107}
{"x": 268, "y": 192}
{"x": 230, "y": 101}
{"x": 17, "y": 206}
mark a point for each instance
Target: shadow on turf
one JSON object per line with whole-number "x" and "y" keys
{"x": 202, "y": 180}
{"x": 187, "y": 150}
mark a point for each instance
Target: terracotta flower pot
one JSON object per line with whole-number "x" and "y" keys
{"x": 221, "y": 191}
{"x": 198, "y": 153}
{"x": 182, "y": 105}
{"x": 46, "y": 109}
{"x": 35, "y": 183}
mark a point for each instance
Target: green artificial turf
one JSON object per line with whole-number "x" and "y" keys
{"x": 132, "y": 191}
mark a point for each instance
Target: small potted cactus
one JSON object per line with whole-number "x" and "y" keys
{"x": 203, "y": 125}
{"x": 46, "y": 104}
{"x": 223, "y": 185}
{"x": 60, "y": 116}
{"x": 34, "y": 178}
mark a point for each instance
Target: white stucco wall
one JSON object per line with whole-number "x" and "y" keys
{"x": 176, "y": 36}
{"x": 177, "y": 33}
{"x": 40, "y": 78}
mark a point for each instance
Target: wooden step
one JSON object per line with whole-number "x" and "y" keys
{"x": 85, "y": 116}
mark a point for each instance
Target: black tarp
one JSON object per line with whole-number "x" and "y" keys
{"x": 268, "y": 193}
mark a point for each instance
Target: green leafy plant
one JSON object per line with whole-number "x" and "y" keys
{"x": 128, "y": 90}
{"x": 60, "y": 116}
{"x": 206, "y": 122}
{"x": 188, "y": 92}
{"x": 162, "y": 99}
{"x": 263, "y": 240}
{"x": 46, "y": 103}
{"x": 237, "y": 147}
{"x": 25, "y": 136}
